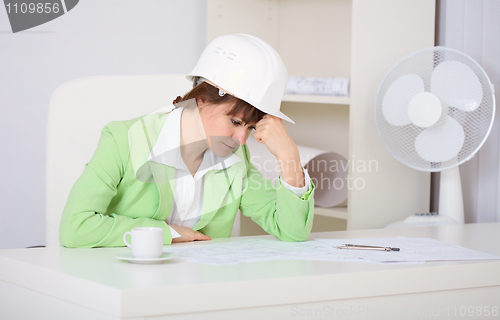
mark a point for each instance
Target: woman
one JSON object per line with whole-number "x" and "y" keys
{"x": 189, "y": 171}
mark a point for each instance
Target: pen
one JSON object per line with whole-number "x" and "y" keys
{"x": 363, "y": 247}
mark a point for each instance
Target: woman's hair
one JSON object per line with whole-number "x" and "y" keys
{"x": 210, "y": 94}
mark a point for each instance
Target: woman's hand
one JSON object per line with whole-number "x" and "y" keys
{"x": 188, "y": 234}
{"x": 271, "y": 131}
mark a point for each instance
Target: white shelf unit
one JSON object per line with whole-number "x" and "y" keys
{"x": 360, "y": 40}
{"x": 336, "y": 212}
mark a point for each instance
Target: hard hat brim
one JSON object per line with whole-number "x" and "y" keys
{"x": 278, "y": 114}
{"x": 281, "y": 115}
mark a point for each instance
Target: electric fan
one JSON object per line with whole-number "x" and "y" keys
{"x": 434, "y": 110}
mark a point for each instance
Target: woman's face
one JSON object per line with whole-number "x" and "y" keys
{"x": 224, "y": 132}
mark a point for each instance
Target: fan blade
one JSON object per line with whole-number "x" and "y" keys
{"x": 424, "y": 109}
{"x": 441, "y": 142}
{"x": 457, "y": 85}
{"x": 397, "y": 98}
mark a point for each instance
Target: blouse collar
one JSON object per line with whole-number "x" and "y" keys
{"x": 167, "y": 149}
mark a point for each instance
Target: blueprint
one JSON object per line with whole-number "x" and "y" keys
{"x": 412, "y": 251}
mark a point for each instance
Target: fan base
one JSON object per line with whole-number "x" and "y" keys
{"x": 422, "y": 221}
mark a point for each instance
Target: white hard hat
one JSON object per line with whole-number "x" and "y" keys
{"x": 248, "y": 68}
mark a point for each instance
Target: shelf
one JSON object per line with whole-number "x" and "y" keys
{"x": 316, "y": 99}
{"x": 356, "y": 39}
{"x": 335, "y": 212}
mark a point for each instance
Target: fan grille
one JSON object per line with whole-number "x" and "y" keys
{"x": 400, "y": 139}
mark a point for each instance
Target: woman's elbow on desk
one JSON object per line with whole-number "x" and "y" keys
{"x": 84, "y": 230}
{"x": 70, "y": 238}
{"x": 71, "y": 241}
{"x": 295, "y": 236}
{"x": 296, "y": 229}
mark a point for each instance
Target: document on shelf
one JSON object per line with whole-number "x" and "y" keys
{"x": 412, "y": 251}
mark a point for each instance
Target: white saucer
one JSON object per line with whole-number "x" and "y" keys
{"x": 130, "y": 258}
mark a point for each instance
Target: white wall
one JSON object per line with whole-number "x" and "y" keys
{"x": 473, "y": 27}
{"x": 95, "y": 38}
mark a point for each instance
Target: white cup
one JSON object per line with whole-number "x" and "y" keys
{"x": 146, "y": 242}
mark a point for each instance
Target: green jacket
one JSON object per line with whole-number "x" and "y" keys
{"x": 120, "y": 189}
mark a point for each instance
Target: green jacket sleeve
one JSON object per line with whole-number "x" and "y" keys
{"x": 276, "y": 209}
{"x": 85, "y": 221}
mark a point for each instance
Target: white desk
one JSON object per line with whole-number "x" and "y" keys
{"x": 62, "y": 283}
